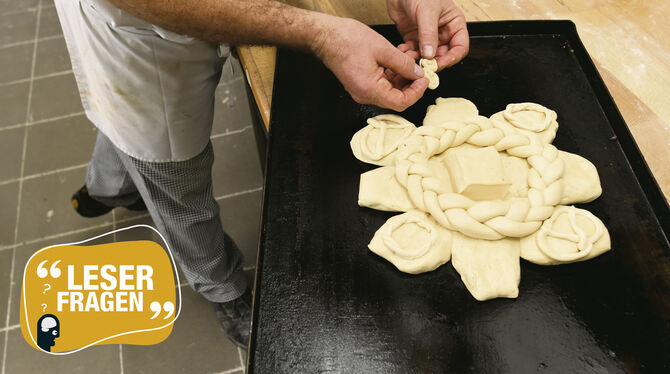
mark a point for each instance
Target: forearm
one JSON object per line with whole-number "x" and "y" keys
{"x": 235, "y": 21}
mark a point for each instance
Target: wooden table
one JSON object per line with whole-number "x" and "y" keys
{"x": 627, "y": 39}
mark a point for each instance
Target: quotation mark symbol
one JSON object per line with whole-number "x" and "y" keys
{"x": 42, "y": 272}
{"x": 155, "y": 307}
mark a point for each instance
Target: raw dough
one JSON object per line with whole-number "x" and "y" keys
{"x": 430, "y": 69}
{"x": 449, "y": 109}
{"x": 570, "y": 235}
{"x": 495, "y": 187}
{"x": 377, "y": 142}
{"x": 489, "y": 269}
{"x": 581, "y": 183}
{"x": 380, "y": 190}
{"x": 530, "y": 119}
{"x": 413, "y": 242}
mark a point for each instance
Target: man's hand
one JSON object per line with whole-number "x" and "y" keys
{"x": 436, "y": 26}
{"x": 357, "y": 55}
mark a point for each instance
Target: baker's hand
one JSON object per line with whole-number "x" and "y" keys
{"x": 357, "y": 55}
{"x": 436, "y": 26}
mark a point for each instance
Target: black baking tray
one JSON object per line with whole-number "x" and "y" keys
{"x": 325, "y": 303}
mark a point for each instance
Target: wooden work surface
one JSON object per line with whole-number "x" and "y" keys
{"x": 627, "y": 39}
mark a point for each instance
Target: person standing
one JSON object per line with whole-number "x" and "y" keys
{"x": 147, "y": 71}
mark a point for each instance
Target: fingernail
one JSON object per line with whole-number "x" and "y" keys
{"x": 427, "y": 51}
{"x": 418, "y": 71}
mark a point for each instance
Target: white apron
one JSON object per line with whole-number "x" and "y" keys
{"x": 151, "y": 91}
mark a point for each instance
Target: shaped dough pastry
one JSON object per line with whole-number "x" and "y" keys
{"x": 377, "y": 142}
{"x": 380, "y": 190}
{"x": 430, "y": 69}
{"x": 530, "y": 119}
{"x": 488, "y": 268}
{"x": 413, "y": 242}
{"x": 569, "y": 235}
{"x": 581, "y": 183}
{"x": 449, "y": 109}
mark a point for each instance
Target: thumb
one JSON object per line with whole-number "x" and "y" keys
{"x": 427, "y": 18}
{"x": 400, "y": 63}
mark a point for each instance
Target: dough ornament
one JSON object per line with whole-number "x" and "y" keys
{"x": 377, "y": 142}
{"x": 487, "y": 190}
{"x": 569, "y": 235}
{"x": 413, "y": 242}
{"x": 430, "y": 69}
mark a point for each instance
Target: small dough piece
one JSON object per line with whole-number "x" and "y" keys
{"x": 489, "y": 268}
{"x": 569, "y": 235}
{"x": 516, "y": 170}
{"x": 478, "y": 173}
{"x": 379, "y": 189}
{"x": 430, "y": 69}
{"x": 581, "y": 183}
{"x": 531, "y": 119}
{"x": 378, "y": 142}
{"x": 449, "y": 109}
{"x": 413, "y": 242}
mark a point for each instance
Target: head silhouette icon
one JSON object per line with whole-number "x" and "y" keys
{"x": 48, "y": 329}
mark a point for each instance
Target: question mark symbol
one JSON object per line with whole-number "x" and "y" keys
{"x": 44, "y": 307}
{"x": 155, "y": 307}
{"x": 47, "y": 287}
{"x": 53, "y": 270}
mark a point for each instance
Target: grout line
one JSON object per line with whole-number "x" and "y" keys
{"x": 59, "y": 235}
{"x": 114, "y": 224}
{"x": 121, "y": 357}
{"x": 24, "y": 42}
{"x": 220, "y": 135}
{"x": 231, "y": 371}
{"x": 44, "y": 120}
{"x": 10, "y": 328}
{"x": 18, "y": 201}
{"x": 239, "y": 193}
{"x": 45, "y": 173}
{"x": 32, "y": 78}
{"x": 239, "y": 354}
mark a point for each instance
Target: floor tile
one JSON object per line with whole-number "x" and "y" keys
{"x": 5, "y": 273}
{"x": 231, "y": 107}
{"x": 17, "y": 27}
{"x": 11, "y": 150}
{"x": 236, "y": 164}
{"x": 241, "y": 217}
{"x": 52, "y": 57}
{"x": 16, "y": 62}
{"x": 55, "y": 96}
{"x": 24, "y": 252}
{"x": 46, "y": 208}
{"x": 49, "y": 23}
{"x": 13, "y": 101}
{"x": 22, "y": 358}
{"x": 197, "y": 344}
{"x": 14, "y": 5}
{"x": 8, "y": 195}
{"x": 59, "y": 144}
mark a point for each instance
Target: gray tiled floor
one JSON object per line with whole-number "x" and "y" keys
{"x": 45, "y": 144}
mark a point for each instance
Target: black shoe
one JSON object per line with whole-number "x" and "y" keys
{"x": 235, "y": 318}
{"x": 87, "y": 206}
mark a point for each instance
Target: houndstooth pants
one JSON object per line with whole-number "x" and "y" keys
{"x": 180, "y": 200}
